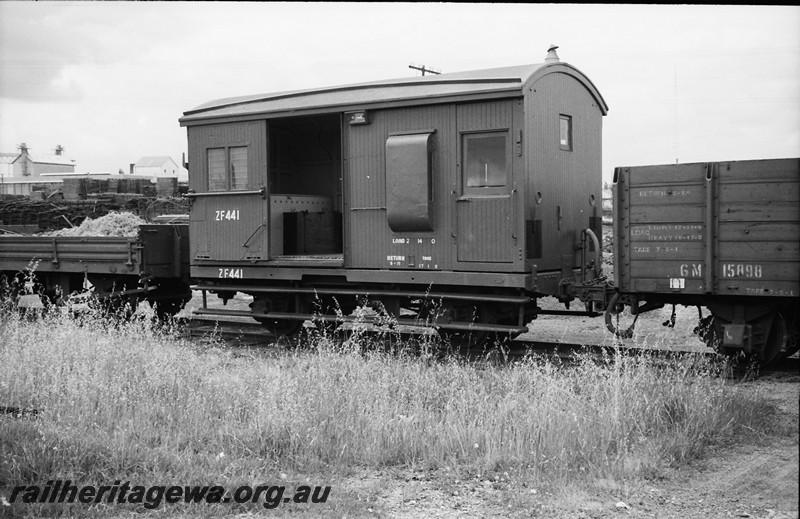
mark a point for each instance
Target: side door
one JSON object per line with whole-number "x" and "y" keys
{"x": 229, "y": 214}
{"x": 486, "y": 185}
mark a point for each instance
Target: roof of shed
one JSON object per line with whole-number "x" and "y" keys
{"x": 36, "y": 158}
{"x": 153, "y": 162}
{"x": 498, "y": 81}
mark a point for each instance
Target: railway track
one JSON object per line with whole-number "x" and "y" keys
{"x": 241, "y": 333}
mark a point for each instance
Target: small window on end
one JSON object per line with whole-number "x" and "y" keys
{"x": 565, "y": 124}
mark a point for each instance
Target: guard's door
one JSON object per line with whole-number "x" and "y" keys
{"x": 485, "y": 220}
{"x": 229, "y": 215}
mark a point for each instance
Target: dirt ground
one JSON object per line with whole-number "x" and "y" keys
{"x": 757, "y": 479}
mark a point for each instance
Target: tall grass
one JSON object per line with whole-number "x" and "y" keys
{"x": 139, "y": 403}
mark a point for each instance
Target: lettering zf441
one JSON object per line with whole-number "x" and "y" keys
{"x": 221, "y": 215}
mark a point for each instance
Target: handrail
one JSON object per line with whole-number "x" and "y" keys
{"x": 262, "y": 191}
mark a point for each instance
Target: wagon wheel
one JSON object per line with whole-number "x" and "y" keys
{"x": 118, "y": 306}
{"x": 776, "y": 342}
{"x": 287, "y": 328}
{"x": 27, "y": 298}
{"x": 122, "y": 307}
{"x": 476, "y": 339}
{"x": 330, "y": 306}
{"x": 169, "y": 298}
{"x": 793, "y": 334}
{"x": 10, "y": 290}
{"x": 167, "y": 308}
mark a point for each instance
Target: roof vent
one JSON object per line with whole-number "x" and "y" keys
{"x": 552, "y": 57}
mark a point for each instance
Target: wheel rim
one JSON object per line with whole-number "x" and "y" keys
{"x": 279, "y": 327}
{"x": 776, "y": 342}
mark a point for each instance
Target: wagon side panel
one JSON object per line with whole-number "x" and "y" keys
{"x": 661, "y": 221}
{"x": 758, "y": 228}
{"x": 722, "y": 229}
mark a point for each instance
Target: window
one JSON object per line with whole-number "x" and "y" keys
{"x": 565, "y": 142}
{"x": 217, "y": 180}
{"x": 485, "y": 162}
{"x": 227, "y": 168}
{"x": 238, "y": 168}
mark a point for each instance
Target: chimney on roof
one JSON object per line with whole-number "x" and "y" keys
{"x": 23, "y": 150}
{"x": 552, "y": 57}
{"x": 59, "y": 149}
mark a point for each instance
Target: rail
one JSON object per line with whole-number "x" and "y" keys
{"x": 262, "y": 191}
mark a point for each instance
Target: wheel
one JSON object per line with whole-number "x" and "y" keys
{"x": 793, "y": 333}
{"x": 167, "y": 308}
{"x": 287, "y": 328}
{"x": 476, "y": 339}
{"x": 169, "y": 298}
{"x": 770, "y": 329}
{"x": 115, "y": 307}
{"x": 119, "y": 306}
{"x": 775, "y": 347}
{"x": 11, "y": 287}
{"x": 330, "y": 306}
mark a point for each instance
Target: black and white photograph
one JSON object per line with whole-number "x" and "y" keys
{"x": 399, "y": 260}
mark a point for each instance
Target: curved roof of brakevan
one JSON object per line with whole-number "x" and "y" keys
{"x": 476, "y": 84}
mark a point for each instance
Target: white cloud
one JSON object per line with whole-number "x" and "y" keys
{"x": 91, "y": 72}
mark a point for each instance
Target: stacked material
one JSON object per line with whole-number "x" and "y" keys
{"x": 17, "y": 213}
{"x": 166, "y": 187}
{"x": 112, "y": 224}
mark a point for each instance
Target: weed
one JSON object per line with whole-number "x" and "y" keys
{"x": 138, "y": 402}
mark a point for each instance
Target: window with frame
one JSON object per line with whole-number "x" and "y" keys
{"x": 227, "y": 168}
{"x": 485, "y": 163}
{"x": 565, "y": 131}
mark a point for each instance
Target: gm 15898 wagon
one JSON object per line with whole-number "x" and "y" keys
{"x": 724, "y": 235}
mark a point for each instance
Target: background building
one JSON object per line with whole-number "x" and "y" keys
{"x": 28, "y": 165}
{"x": 6, "y": 169}
{"x": 156, "y": 167}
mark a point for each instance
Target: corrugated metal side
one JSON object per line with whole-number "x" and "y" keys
{"x": 484, "y": 231}
{"x": 566, "y": 180}
{"x": 728, "y": 228}
{"x": 370, "y": 243}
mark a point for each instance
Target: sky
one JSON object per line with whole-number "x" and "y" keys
{"x": 109, "y": 80}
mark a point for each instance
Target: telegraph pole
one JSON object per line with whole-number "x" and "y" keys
{"x": 424, "y": 69}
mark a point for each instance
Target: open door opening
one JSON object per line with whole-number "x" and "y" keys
{"x": 305, "y": 187}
